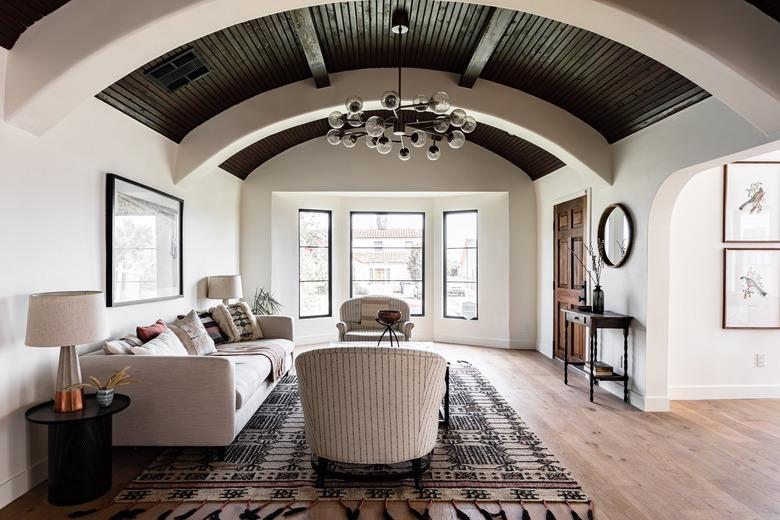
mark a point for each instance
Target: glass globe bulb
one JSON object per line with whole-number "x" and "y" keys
{"x": 375, "y": 126}
{"x": 433, "y": 152}
{"x": 390, "y": 100}
{"x": 350, "y": 140}
{"x": 456, "y": 139}
{"x": 355, "y": 120}
{"x": 457, "y": 117}
{"x": 384, "y": 146}
{"x": 371, "y": 142}
{"x": 469, "y": 125}
{"x": 354, "y": 104}
{"x": 440, "y": 102}
{"x": 334, "y": 136}
{"x": 420, "y": 102}
{"x": 404, "y": 154}
{"x": 336, "y": 119}
{"x": 418, "y": 138}
{"x": 441, "y": 124}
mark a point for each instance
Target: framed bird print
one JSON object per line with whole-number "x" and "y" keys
{"x": 751, "y": 202}
{"x": 751, "y": 288}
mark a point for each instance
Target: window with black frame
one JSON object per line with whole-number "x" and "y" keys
{"x": 388, "y": 256}
{"x": 314, "y": 263}
{"x": 460, "y": 264}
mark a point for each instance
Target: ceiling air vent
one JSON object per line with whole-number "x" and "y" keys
{"x": 179, "y": 70}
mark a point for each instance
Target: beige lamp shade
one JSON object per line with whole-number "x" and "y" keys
{"x": 224, "y": 287}
{"x": 58, "y": 319}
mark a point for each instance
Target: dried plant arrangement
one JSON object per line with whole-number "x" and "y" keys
{"x": 595, "y": 261}
{"x": 118, "y": 379}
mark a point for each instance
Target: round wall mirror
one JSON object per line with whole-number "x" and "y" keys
{"x": 615, "y": 235}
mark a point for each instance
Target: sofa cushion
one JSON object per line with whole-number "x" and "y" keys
{"x": 216, "y": 334}
{"x": 369, "y": 307}
{"x": 165, "y": 344}
{"x": 122, "y": 345}
{"x": 193, "y": 335}
{"x": 150, "y": 332}
{"x": 370, "y": 335}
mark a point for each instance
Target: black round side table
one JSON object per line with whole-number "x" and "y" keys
{"x": 79, "y": 449}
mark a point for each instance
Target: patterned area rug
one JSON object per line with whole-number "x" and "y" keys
{"x": 488, "y": 453}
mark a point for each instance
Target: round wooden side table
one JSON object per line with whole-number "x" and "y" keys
{"x": 79, "y": 448}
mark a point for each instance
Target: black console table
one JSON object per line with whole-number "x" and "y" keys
{"x": 79, "y": 449}
{"x": 595, "y": 321}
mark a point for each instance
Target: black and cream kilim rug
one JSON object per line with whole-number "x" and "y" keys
{"x": 488, "y": 453}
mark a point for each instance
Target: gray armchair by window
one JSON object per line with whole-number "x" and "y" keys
{"x": 358, "y": 319}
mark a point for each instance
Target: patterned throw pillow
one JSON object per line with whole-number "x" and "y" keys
{"x": 192, "y": 334}
{"x": 237, "y": 320}
{"x": 165, "y": 344}
{"x": 122, "y": 345}
{"x": 212, "y": 328}
{"x": 152, "y": 331}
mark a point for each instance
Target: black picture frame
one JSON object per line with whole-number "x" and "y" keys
{"x": 329, "y": 213}
{"x": 422, "y": 280}
{"x": 111, "y": 182}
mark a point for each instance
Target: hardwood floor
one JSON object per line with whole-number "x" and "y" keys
{"x": 703, "y": 460}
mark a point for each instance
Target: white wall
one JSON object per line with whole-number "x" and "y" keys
{"x": 52, "y": 210}
{"x": 492, "y": 327}
{"x": 642, "y": 162}
{"x": 706, "y": 361}
{"x": 317, "y": 166}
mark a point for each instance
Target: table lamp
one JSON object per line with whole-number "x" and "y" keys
{"x": 225, "y": 287}
{"x": 66, "y": 319}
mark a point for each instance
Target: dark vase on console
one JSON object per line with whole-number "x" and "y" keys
{"x": 598, "y": 300}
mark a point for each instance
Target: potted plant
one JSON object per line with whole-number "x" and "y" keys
{"x": 104, "y": 393}
{"x": 264, "y": 303}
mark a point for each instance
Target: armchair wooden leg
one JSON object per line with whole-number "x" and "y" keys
{"x": 221, "y": 452}
{"x": 322, "y": 469}
{"x": 417, "y": 471}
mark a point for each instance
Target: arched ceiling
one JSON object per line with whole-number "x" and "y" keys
{"x": 533, "y": 160}
{"x": 768, "y": 7}
{"x": 17, "y": 15}
{"x": 613, "y": 88}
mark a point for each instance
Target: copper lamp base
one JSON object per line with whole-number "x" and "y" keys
{"x": 66, "y": 398}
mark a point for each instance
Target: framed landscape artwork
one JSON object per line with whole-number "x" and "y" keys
{"x": 751, "y": 202}
{"x": 143, "y": 243}
{"x": 751, "y": 288}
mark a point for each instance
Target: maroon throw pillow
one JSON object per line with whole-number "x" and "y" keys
{"x": 152, "y": 331}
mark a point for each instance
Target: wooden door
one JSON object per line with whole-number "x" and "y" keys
{"x": 569, "y": 275}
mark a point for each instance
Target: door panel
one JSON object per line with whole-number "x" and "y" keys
{"x": 569, "y": 218}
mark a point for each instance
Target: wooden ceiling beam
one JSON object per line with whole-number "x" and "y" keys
{"x": 303, "y": 25}
{"x": 495, "y": 27}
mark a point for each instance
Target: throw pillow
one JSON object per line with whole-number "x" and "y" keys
{"x": 165, "y": 344}
{"x": 193, "y": 335}
{"x": 122, "y": 345}
{"x": 150, "y": 332}
{"x": 238, "y": 321}
{"x": 369, "y": 307}
{"x": 212, "y": 329}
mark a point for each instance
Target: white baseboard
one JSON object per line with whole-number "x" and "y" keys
{"x": 691, "y": 393}
{"x": 478, "y": 341}
{"x": 20, "y": 484}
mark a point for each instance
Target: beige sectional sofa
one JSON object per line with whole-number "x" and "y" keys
{"x": 193, "y": 400}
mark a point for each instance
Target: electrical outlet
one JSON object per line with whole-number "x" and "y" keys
{"x": 761, "y": 360}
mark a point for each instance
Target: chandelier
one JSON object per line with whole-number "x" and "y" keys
{"x": 422, "y": 121}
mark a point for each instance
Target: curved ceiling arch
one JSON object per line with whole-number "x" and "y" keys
{"x": 543, "y": 124}
{"x": 48, "y": 73}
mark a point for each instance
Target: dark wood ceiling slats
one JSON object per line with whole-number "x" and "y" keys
{"x": 611, "y": 87}
{"x": 769, "y": 7}
{"x": 17, "y": 15}
{"x": 533, "y": 160}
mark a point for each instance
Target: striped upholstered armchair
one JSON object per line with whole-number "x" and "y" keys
{"x": 358, "y": 319}
{"x": 341, "y": 389}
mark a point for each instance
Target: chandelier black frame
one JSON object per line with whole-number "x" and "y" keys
{"x": 349, "y": 127}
